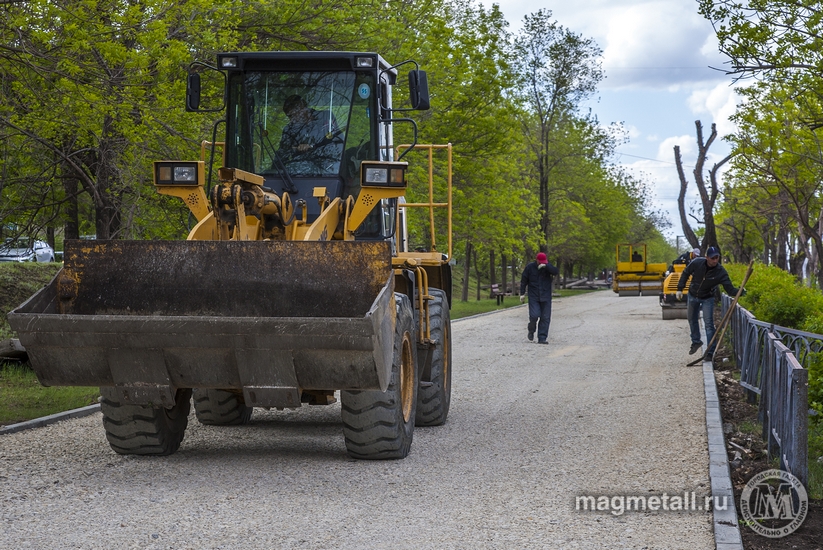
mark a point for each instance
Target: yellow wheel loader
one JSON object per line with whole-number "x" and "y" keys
{"x": 634, "y": 276}
{"x": 295, "y": 282}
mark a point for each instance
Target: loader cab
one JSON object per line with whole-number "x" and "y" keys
{"x": 305, "y": 120}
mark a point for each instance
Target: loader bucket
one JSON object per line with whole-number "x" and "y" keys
{"x": 266, "y": 317}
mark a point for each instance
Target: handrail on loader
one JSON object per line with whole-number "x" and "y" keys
{"x": 431, "y": 205}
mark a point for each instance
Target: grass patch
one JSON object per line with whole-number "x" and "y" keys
{"x": 815, "y": 480}
{"x": 475, "y": 307}
{"x": 23, "y": 398}
{"x": 815, "y": 456}
{"x": 750, "y": 427}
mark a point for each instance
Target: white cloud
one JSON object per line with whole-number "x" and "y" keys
{"x": 660, "y": 44}
{"x": 632, "y": 131}
{"x": 658, "y": 59}
{"x": 664, "y": 184}
{"x": 688, "y": 147}
{"x": 653, "y": 45}
{"x": 719, "y": 103}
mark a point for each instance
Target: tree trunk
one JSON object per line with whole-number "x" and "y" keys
{"x": 492, "y": 269}
{"x": 107, "y": 203}
{"x": 814, "y": 258}
{"x": 780, "y": 241}
{"x": 515, "y": 289}
{"x": 71, "y": 228}
{"x": 477, "y": 271}
{"x": 503, "y": 268}
{"x": 818, "y": 245}
{"x": 464, "y": 294}
{"x": 708, "y": 194}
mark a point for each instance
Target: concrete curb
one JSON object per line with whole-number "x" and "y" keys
{"x": 51, "y": 419}
{"x": 726, "y": 528}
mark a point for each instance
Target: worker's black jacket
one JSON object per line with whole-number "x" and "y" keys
{"x": 705, "y": 279}
{"x": 538, "y": 281}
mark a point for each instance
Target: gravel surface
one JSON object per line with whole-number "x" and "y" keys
{"x": 607, "y": 408}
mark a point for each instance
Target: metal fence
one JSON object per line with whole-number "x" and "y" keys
{"x": 770, "y": 358}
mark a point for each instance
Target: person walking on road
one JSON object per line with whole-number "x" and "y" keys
{"x": 707, "y": 274}
{"x": 538, "y": 277}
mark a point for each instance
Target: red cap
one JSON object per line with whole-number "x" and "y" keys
{"x": 541, "y": 258}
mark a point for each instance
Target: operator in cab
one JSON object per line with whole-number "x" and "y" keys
{"x": 311, "y": 139}
{"x": 685, "y": 258}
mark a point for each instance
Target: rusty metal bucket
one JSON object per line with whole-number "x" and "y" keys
{"x": 270, "y": 318}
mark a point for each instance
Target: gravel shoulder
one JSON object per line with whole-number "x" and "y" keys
{"x": 607, "y": 408}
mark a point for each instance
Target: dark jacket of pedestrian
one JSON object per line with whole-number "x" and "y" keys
{"x": 705, "y": 279}
{"x": 538, "y": 281}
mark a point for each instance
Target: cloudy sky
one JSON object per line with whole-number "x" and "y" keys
{"x": 657, "y": 57}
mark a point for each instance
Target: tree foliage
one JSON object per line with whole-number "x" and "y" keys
{"x": 763, "y": 36}
{"x": 774, "y": 194}
{"x": 92, "y": 93}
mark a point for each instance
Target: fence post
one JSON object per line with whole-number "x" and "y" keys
{"x": 800, "y": 425}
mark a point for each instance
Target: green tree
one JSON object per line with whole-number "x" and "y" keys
{"x": 93, "y": 90}
{"x": 768, "y": 36}
{"x": 557, "y": 70}
{"x": 781, "y": 156}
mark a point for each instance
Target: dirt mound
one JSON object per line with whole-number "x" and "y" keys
{"x": 747, "y": 457}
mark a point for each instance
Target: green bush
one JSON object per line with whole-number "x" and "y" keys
{"x": 774, "y": 296}
{"x": 814, "y": 323}
{"x": 815, "y": 367}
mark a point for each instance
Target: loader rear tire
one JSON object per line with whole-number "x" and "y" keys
{"x": 220, "y": 408}
{"x": 143, "y": 429}
{"x": 380, "y": 425}
{"x": 433, "y": 399}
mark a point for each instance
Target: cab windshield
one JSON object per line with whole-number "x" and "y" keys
{"x": 300, "y": 124}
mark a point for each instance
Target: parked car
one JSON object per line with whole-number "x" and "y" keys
{"x": 23, "y": 249}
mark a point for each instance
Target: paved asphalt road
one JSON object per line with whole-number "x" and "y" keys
{"x": 608, "y": 409}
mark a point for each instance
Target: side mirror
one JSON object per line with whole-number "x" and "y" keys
{"x": 419, "y": 90}
{"x": 385, "y": 114}
{"x": 193, "y": 92}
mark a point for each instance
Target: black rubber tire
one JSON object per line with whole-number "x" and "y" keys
{"x": 433, "y": 400}
{"x": 380, "y": 425}
{"x": 143, "y": 429}
{"x": 220, "y": 408}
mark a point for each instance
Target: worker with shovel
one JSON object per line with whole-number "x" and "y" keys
{"x": 707, "y": 274}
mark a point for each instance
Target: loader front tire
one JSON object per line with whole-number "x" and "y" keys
{"x": 433, "y": 398}
{"x": 380, "y": 425}
{"x": 143, "y": 429}
{"x": 220, "y": 408}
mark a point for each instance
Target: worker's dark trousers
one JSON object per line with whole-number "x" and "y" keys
{"x": 706, "y": 305}
{"x": 543, "y": 312}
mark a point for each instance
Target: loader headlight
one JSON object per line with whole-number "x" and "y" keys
{"x": 177, "y": 173}
{"x": 228, "y": 62}
{"x": 383, "y": 174}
